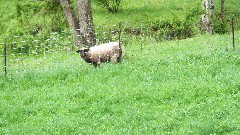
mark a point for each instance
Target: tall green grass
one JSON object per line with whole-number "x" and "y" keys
{"x": 188, "y": 86}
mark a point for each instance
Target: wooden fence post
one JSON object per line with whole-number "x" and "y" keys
{"x": 119, "y": 41}
{"x": 119, "y": 32}
{"x": 5, "y": 56}
{"x": 233, "y": 38}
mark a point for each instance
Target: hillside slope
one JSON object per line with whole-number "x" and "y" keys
{"x": 190, "y": 86}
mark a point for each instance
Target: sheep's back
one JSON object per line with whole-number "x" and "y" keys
{"x": 105, "y": 52}
{"x": 105, "y": 49}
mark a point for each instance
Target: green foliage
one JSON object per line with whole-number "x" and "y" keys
{"x": 163, "y": 19}
{"x": 34, "y": 22}
{"x": 36, "y": 17}
{"x": 111, "y": 5}
{"x": 221, "y": 25}
{"x": 168, "y": 29}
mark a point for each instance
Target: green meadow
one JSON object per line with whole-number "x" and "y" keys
{"x": 188, "y": 86}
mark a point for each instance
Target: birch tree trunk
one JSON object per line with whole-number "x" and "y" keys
{"x": 86, "y": 23}
{"x": 71, "y": 19}
{"x": 207, "y": 17}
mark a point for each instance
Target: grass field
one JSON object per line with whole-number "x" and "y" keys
{"x": 189, "y": 86}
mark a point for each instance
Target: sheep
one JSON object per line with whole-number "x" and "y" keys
{"x": 108, "y": 52}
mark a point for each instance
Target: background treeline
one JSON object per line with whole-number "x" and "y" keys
{"x": 158, "y": 17}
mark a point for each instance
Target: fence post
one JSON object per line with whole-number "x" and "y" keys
{"x": 5, "y": 56}
{"x": 119, "y": 32}
{"x": 119, "y": 41}
{"x": 233, "y": 38}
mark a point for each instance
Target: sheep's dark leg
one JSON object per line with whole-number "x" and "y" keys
{"x": 99, "y": 60}
{"x": 108, "y": 58}
{"x": 95, "y": 65}
{"x": 120, "y": 55}
{"x": 118, "y": 59}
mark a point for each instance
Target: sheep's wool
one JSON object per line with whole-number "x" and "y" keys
{"x": 107, "y": 49}
{"x": 108, "y": 52}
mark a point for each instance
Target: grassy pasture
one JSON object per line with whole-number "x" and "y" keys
{"x": 186, "y": 86}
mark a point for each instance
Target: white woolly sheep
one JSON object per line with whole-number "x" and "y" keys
{"x": 108, "y": 52}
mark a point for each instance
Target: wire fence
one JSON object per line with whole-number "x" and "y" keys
{"x": 43, "y": 52}
{"x": 19, "y": 54}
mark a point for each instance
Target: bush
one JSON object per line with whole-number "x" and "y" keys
{"x": 111, "y": 5}
{"x": 37, "y": 17}
{"x": 221, "y": 26}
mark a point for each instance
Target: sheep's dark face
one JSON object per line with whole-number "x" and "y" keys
{"x": 83, "y": 52}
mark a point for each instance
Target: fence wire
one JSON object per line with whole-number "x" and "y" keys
{"x": 44, "y": 52}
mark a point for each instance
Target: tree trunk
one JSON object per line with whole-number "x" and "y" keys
{"x": 207, "y": 17}
{"x": 222, "y": 9}
{"x": 72, "y": 20}
{"x": 86, "y": 23}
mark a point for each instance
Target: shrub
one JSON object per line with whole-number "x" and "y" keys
{"x": 221, "y": 26}
{"x": 37, "y": 17}
{"x": 111, "y": 5}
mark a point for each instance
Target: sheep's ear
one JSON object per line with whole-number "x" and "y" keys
{"x": 83, "y": 50}
{"x": 86, "y": 50}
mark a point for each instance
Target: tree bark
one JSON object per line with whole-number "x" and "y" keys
{"x": 207, "y": 17}
{"x": 222, "y": 9}
{"x": 86, "y": 23}
{"x": 71, "y": 19}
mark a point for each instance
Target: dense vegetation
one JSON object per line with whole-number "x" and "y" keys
{"x": 189, "y": 86}
{"x": 179, "y": 20}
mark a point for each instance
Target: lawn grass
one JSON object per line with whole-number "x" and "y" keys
{"x": 186, "y": 86}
